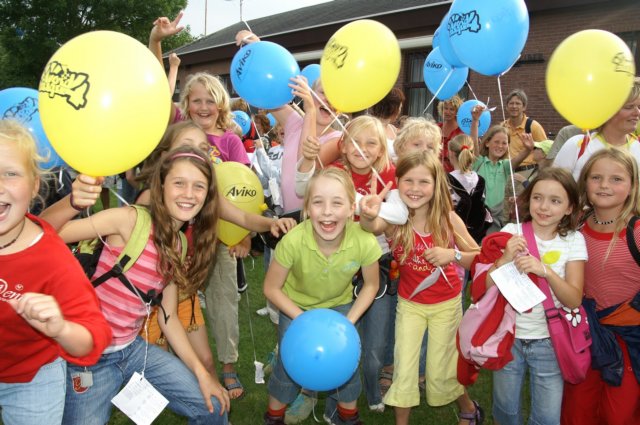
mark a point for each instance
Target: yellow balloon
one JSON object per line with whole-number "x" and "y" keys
{"x": 589, "y": 77}
{"x": 104, "y": 102}
{"x": 242, "y": 188}
{"x": 359, "y": 65}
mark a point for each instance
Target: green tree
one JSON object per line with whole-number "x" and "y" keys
{"x": 32, "y": 30}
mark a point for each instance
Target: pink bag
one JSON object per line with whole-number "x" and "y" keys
{"x": 568, "y": 328}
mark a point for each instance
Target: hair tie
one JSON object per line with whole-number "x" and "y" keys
{"x": 464, "y": 147}
{"x": 187, "y": 154}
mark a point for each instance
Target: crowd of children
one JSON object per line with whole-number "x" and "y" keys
{"x": 379, "y": 223}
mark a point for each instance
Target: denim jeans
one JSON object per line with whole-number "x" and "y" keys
{"x": 285, "y": 390}
{"x": 166, "y": 372}
{"x": 374, "y": 329}
{"x": 537, "y": 356}
{"x": 40, "y": 401}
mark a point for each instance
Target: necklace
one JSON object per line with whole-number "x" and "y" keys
{"x": 16, "y": 238}
{"x": 604, "y": 223}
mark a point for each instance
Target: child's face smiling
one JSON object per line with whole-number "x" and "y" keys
{"x": 17, "y": 189}
{"x": 608, "y": 185}
{"x": 497, "y": 146}
{"x": 329, "y": 210}
{"x": 416, "y": 187}
{"x": 548, "y": 204}
{"x": 369, "y": 142}
{"x": 203, "y": 109}
{"x": 185, "y": 190}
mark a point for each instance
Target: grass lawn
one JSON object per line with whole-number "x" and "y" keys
{"x": 249, "y": 410}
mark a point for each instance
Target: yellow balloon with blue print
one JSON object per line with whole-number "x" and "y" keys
{"x": 240, "y": 186}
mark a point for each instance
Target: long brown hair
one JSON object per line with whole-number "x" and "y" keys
{"x": 204, "y": 223}
{"x": 439, "y": 207}
{"x": 569, "y": 222}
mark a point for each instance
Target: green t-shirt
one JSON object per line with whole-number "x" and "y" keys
{"x": 495, "y": 179}
{"x": 315, "y": 281}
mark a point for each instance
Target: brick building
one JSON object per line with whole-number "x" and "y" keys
{"x": 304, "y": 32}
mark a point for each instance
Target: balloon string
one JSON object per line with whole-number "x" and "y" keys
{"x": 242, "y": 20}
{"x": 120, "y": 198}
{"x": 472, "y": 92}
{"x": 513, "y": 180}
{"x": 60, "y": 182}
{"x": 435, "y": 95}
{"x": 346, "y": 133}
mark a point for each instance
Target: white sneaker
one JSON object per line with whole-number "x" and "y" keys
{"x": 263, "y": 311}
{"x": 379, "y": 408}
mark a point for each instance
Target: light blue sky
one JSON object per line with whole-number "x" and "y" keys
{"x": 222, "y": 13}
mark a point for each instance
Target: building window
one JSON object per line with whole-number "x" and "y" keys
{"x": 633, "y": 41}
{"x": 416, "y": 92}
{"x": 226, "y": 82}
{"x": 418, "y": 96}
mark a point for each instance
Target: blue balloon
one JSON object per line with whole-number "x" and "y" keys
{"x": 435, "y": 41}
{"x": 464, "y": 118}
{"x": 436, "y": 69}
{"x": 477, "y": 27}
{"x": 242, "y": 119}
{"x": 312, "y": 73}
{"x": 272, "y": 119}
{"x": 261, "y": 73}
{"x": 320, "y": 350}
{"x": 444, "y": 42}
{"x": 21, "y": 104}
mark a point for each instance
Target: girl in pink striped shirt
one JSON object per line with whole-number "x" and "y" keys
{"x": 182, "y": 189}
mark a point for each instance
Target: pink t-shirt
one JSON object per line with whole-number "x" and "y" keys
{"x": 227, "y": 147}
{"x": 292, "y": 132}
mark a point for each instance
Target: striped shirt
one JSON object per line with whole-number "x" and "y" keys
{"x": 124, "y": 310}
{"x": 615, "y": 279}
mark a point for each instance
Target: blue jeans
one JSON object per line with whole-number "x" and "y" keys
{"x": 538, "y": 357}
{"x": 375, "y": 327}
{"x": 166, "y": 372}
{"x": 285, "y": 390}
{"x": 40, "y": 401}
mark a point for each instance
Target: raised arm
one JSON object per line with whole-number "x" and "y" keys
{"x": 174, "y": 64}
{"x": 527, "y": 142}
{"x": 163, "y": 28}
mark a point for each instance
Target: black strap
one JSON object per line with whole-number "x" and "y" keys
{"x": 631, "y": 241}
{"x": 151, "y": 297}
{"x": 527, "y": 125}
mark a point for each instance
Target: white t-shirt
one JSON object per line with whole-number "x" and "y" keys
{"x": 555, "y": 254}
{"x": 567, "y": 157}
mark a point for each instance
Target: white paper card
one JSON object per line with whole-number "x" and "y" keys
{"x": 259, "y": 372}
{"x": 520, "y": 291}
{"x": 140, "y": 401}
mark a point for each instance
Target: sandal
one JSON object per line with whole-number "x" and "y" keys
{"x": 234, "y": 386}
{"x": 474, "y": 418}
{"x": 385, "y": 376}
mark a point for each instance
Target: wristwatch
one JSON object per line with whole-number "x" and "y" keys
{"x": 457, "y": 255}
